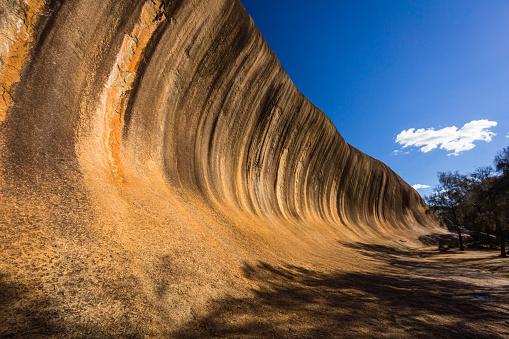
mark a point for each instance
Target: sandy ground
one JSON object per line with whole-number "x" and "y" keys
{"x": 419, "y": 293}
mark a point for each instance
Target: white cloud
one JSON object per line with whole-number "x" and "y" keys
{"x": 452, "y": 139}
{"x": 398, "y": 152}
{"x": 420, "y": 186}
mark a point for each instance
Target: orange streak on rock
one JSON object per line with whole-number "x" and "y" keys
{"x": 115, "y": 93}
{"x": 17, "y": 35}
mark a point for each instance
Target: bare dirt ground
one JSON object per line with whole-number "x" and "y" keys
{"x": 412, "y": 293}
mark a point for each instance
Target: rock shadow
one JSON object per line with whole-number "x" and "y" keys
{"x": 292, "y": 301}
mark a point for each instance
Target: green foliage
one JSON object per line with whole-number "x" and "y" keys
{"x": 478, "y": 201}
{"x": 502, "y": 161}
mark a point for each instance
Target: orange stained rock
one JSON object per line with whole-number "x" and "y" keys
{"x": 115, "y": 94}
{"x": 18, "y": 33}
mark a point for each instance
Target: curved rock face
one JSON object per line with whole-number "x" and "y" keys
{"x": 149, "y": 149}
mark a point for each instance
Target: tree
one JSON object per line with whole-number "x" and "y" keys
{"x": 447, "y": 200}
{"x": 501, "y": 191}
{"x": 502, "y": 162}
{"x": 478, "y": 201}
{"x": 480, "y": 206}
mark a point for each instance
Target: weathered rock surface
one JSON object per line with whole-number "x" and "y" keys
{"x": 152, "y": 149}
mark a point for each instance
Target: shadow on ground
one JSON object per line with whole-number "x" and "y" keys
{"x": 436, "y": 238}
{"x": 412, "y": 298}
{"x": 31, "y": 318}
{"x": 26, "y": 312}
{"x": 418, "y": 294}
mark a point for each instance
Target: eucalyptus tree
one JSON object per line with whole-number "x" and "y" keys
{"x": 448, "y": 199}
{"x": 501, "y": 191}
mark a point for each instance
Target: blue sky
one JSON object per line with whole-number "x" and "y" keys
{"x": 378, "y": 68}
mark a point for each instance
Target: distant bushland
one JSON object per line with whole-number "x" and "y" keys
{"x": 476, "y": 202}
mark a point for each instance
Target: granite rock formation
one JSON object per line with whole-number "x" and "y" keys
{"x": 149, "y": 150}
